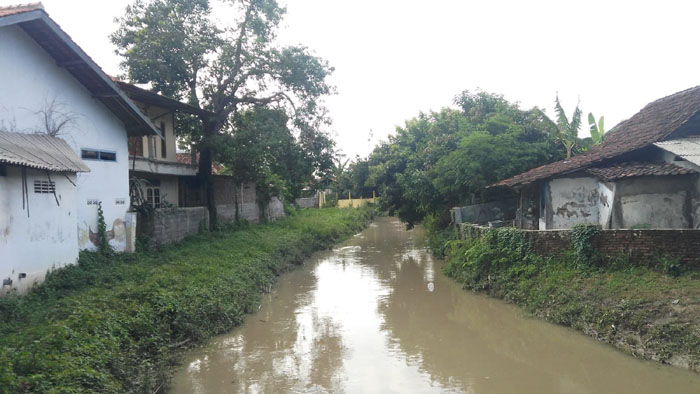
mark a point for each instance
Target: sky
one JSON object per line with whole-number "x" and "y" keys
{"x": 396, "y": 58}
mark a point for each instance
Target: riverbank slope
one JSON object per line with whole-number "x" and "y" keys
{"x": 114, "y": 324}
{"x": 649, "y": 312}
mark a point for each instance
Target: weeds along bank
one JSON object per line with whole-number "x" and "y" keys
{"x": 650, "y": 312}
{"x": 114, "y": 324}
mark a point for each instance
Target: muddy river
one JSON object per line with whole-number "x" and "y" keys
{"x": 376, "y": 315}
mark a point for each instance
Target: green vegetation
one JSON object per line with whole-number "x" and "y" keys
{"x": 235, "y": 69}
{"x": 116, "y": 324}
{"x": 651, "y": 312}
{"x": 597, "y": 129}
{"x": 443, "y": 159}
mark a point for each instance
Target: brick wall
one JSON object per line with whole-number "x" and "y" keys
{"x": 170, "y": 225}
{"x": 640, "y": 246}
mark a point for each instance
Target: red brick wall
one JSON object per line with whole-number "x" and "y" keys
{"x": 640, "y": 246}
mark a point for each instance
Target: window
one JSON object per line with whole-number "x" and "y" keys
{"x": 44, "y": 187}
{"x": 93, "y": 154}
{"x": 163, "y": 145}
{"x": 153, "y": 197}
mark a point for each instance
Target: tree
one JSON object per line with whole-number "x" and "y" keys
{"x": 597, "y": 129}
{"x": 442, "y": 159}
{"x": 567, "y": 131}
{"x": 177, "y": 47}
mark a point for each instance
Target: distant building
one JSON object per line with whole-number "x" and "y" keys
{"x": 644, "y": 175}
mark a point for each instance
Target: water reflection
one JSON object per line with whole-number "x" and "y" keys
{"x": 376, "y": 315}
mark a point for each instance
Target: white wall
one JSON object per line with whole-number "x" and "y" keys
{"x": 45, "y": 239}
{"x": 160, "y": 115}
{"x": 606, "y": 198}
{"x": 30, "y": 78}
{"x": 572, "y": 201}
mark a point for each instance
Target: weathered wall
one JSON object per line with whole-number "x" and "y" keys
{"x": 307, "y": 202}
{"x": 606, "y": 197}
{"x": 32, "y": 80}
{"x": 171, "y": 225}
{"x": 486, "y": 212}
{"x": 46, "y": 238}
{"x": 569, "y": 201}
{"x": 641, "y": 247}
{"x": 275, "y": 209}
{"x": 656, "y": 202}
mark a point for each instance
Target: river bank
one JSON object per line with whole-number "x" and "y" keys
{"x": 649, "y": 312}
{"x": 113, "y": 324}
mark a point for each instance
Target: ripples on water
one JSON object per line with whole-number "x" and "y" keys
{"x": 376, "y": 315}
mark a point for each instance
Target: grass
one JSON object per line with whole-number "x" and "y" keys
{"x": 649, "y": 312}
{"x": 117, "y": 324}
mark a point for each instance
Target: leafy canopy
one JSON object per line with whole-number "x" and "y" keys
{"x": 442, "y": 159}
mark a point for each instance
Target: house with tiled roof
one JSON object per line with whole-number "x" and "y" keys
{"x": 644, "y": 175}
{"x": 64, "y": 132}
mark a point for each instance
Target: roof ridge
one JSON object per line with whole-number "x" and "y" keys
{"x": 33, "y": 6}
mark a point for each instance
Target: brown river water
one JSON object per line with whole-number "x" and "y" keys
{"x": 376, "y": 315}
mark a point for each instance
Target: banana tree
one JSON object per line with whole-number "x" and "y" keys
{"x": 597, "y": 129}
{"x": 567, "y": 131}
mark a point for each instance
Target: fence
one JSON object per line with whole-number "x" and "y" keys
{"x": 641, "y": 247}
{"x": 356, "y": 202}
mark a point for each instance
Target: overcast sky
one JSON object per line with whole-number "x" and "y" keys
{"x": 395, "y": 58}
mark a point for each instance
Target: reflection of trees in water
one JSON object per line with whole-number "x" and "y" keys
{"x": 458, "y": 341}
{"x": 480, "y": 345}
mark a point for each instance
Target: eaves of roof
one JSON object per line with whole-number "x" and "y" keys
{"x": 656, "y": 122}
{"x": 36, "y": 23}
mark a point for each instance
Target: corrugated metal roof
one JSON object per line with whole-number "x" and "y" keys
{"x": 687, "y": 148}
{"x": 39, "y": 151}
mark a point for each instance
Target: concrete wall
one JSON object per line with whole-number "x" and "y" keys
{"x": 486, "y": 212}
{"x": 171, "y": 225}
{"x": 31, "y": 80}
{"x": 275, "y": 209}
{"x": 651, "y": 202}
{"x": 45, "y": 239}
{"x": 569, "y": 201}
{"x": 307, "y": 202}
{"x": 641, "y": 247}
{"x": 164, "y": 117}
{"x": 355, "y": 202}
{"x": 656, "y": 202}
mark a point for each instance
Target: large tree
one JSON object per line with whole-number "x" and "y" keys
{"x": 177, "y": 47}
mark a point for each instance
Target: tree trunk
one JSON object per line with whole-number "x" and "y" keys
{"x": 205, "y": 173}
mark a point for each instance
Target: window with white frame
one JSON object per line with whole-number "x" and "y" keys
{"x": 153, "y": 197}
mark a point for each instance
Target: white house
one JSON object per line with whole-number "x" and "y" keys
{"x": 47, "y": 80}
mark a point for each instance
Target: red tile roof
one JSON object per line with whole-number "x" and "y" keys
{"x": 186, "y": 158}
{"x": 628, "y": 170}
{"x": 655, "y": 122}
{"x": 20, "y": 8}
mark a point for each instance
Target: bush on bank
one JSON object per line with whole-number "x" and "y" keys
{"x": 650, "y": 312}
{"x": 116, "y": 324}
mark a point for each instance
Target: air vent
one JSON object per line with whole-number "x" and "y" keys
{"x": 44, "y": 187}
